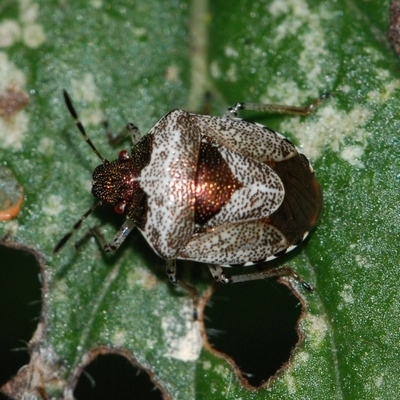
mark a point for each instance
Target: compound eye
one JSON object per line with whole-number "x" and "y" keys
{"x": 119, "y": 208}
{"x": 123, "y": 155}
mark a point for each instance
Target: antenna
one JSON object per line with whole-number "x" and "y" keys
{"x": 81, "y": 128}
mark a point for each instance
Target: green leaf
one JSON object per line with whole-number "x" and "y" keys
{"x": 134, "y": 61}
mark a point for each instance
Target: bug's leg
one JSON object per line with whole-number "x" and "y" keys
{"x": 119, "y": 237}
{"x": 92, "y": 232}
{"x": 219, "y": 275}
{"x": 232, "y": 111}
{"x": 129, "y": 128}
{"x": 206, "y": 109}
{"x": 172, "y": 276}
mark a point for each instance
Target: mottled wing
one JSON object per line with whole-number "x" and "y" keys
{"x": 247, "y": 138}
{"x": 259, "y": 194}
{"x": 246, "y": 242}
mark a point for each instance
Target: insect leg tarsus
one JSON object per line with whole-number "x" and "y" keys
{"x": 232, "y": 111}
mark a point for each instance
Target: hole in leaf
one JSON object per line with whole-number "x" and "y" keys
{"x": 112, "y": 376}
{"x": 20, "y": 307}
{"x": 255, "y": 324}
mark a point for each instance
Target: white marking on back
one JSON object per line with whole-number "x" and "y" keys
{"x": 261, "y": 195}
{"x": 168, "y": 180}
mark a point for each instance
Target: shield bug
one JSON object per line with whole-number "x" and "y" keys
{"x": 217, "y": 190}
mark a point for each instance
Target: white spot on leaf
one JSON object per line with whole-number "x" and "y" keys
{"x": 10, "y": 32}
{"x": 10, "y": 74}
{"x": 347, "y": 296}
{"x": 352, "y": 155}
{"x": 85, "y": 89}
{"x": 316, "y": 329}
{"x": 33, "y": 35}
{"x": 331, "y": 130}
{"x": 54, "y": 206}
{"x": 183, "y": 341}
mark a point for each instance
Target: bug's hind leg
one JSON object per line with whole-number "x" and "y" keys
{"x": 219, "y": 275}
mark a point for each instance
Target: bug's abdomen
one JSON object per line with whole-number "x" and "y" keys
{"x": 302, "y": 204}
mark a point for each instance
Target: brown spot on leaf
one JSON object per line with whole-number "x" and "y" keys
{"x": 12, "y": 100}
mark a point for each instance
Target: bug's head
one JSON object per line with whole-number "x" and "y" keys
{"x": 114, "y": 182}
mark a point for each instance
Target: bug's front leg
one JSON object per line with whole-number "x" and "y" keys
{"x": 119, "y": 237}
{"x": 116, "y": 139}
{"x": 219, "y": 275}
